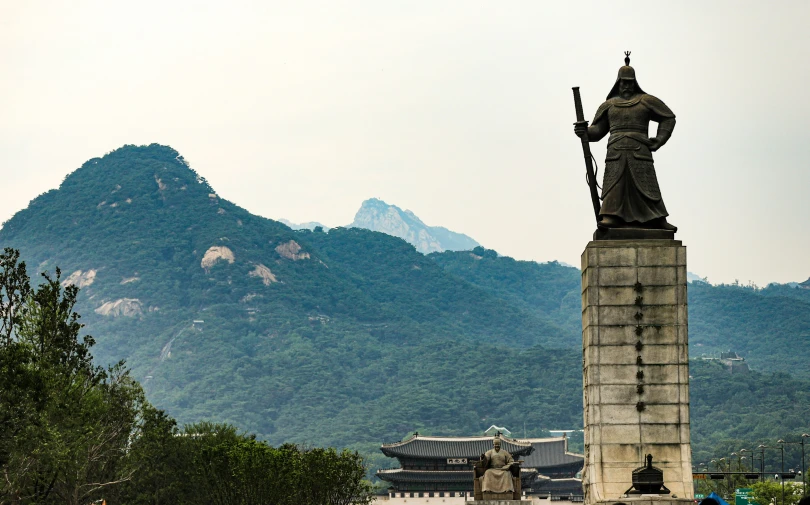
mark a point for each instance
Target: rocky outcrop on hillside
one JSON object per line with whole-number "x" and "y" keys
{"x": 80, "y": 279}
{"x": 128, "y": 307}
{"x": 214, "y": 254}
{"x": 376, "y": 215}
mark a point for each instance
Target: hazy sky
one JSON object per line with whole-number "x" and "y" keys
{"x": 460, "y": 111}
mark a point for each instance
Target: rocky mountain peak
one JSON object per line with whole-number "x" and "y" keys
{"x": 376, "y": 215}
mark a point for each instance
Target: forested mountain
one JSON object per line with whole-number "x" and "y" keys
{"x": 352, "y": 337}
{"x": 294, "y": 329}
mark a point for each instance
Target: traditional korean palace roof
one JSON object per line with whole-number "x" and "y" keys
{"x": 550, "y": 452}
{"x": 400, "y": 475}
{"x": 557, "y": 487}
{"x": 422, "y": 447}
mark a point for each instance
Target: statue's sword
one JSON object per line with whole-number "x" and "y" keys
{"x": 586, "y": 150}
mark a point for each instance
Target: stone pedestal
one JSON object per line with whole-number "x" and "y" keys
{"x": 635, "y": 368}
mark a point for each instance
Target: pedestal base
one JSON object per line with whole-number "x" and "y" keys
{"x": 635, "y": 368}
{"x": 498, "y": 496}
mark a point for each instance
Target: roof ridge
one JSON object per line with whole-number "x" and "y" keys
{"x": 473, "y": 438}
{"x": 392, "y": 470}
{"x": 433, "y": 472}
{"x": 544, "y": 440}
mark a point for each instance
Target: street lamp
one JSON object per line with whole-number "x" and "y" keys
{"x": 782, "y": 475}
{"x": 760, "y": 464}
{"x": 752, "y": 457}
{"x": 740, "y": 457}
{"x": 800, "y": 442}
{"x": 804, "y": 479}
{"x": 762, "y": 461}
{"x": 719, "y": 463}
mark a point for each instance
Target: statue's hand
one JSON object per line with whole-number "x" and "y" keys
{"x": 655, "y": 144}
{"x": 581, "y": 128}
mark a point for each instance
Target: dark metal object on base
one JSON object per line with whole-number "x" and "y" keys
{"x": 648, "y": 480}
{"x": 633, "y": 234}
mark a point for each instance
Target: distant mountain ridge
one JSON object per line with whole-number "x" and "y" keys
{"x": 376, "y": 215}
{"x": 310, "y": 225}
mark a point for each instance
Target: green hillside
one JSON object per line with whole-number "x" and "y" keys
{"x": 770, "y": 327}
{"x": 295, "y": 329}
{"x": 731, "y": 412}
{"x": 548, "y": 289}
{"x": 352, "y": 338}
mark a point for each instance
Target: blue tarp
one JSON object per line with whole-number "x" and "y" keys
{"x": 715, "y": 496}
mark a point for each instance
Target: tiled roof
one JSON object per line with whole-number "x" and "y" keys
{"x": 452, "y": 447}
{"x": 558, "y": 486}
{"x": 397, "y": 475}
{"x": 549, "y": 452}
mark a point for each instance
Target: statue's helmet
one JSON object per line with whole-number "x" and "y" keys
{"x": 625, "y": 72}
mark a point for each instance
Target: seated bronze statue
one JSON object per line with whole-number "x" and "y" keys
{"x": 497, "y": 475}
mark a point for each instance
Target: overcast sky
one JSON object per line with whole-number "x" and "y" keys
{"x": 460, "y": 111}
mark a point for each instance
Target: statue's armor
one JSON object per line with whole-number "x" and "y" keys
{"x": 628, "y": 153}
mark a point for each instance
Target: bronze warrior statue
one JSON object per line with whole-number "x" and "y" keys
{"x": 630, "y": 193}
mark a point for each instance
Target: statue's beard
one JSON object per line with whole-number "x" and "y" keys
{"x": 626, "y": 93}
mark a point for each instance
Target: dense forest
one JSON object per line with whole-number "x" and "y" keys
{"x": 352, "y": 338}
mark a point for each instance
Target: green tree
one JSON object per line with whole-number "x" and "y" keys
{"x": 236, "y": 469}
{"x": 770, "y": 492}
{"x": 21, "y": 392}
{"x": 159, "y": 461}
{"x": 69, "y": 421}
